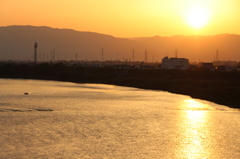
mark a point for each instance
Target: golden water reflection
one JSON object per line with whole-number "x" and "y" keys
{"x": 191, "y": 104}
{"x": 194, "y": 130}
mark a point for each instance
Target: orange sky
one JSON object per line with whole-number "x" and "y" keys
{"x": 125, "y": 18}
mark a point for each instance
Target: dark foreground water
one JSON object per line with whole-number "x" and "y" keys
{"x": 67, "y": 120}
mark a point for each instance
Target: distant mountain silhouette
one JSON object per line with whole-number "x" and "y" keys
{"x": 17, "y": 42}
{"x": 197, "y": 48}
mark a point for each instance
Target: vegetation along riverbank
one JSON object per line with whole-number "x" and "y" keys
{"x": 219, "y": 87}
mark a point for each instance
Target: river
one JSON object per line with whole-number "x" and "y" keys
{"x": 50, "y": 119}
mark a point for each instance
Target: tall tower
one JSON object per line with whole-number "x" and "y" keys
{"x": 76, "y": 57}
{"x": 133, "y": 55}
{"x": 146, "y": 55}
{"x": 35, "y": 52}
{"x": 53, "y": 57}
{"x": 102, "y": 53}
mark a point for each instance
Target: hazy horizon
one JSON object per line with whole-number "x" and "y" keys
{"x": 16, "y": 42}
{"x": 124, "y": 37}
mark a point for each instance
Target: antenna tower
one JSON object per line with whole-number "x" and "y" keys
{"x": 76, "y": 56}
{"x": 102, "y": 53}
{"x": 53, "y": 54}
{"x": 35, "y": 52}
{"x": 146, "y": 55}
{"x": 133, "y": 55}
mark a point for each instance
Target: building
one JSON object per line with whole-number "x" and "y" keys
{"x": 175, "y": 63}
{"x": 225, "y": 63}
{"x": 207, "y": 66}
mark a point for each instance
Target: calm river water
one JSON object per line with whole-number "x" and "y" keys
{"x": 67, "y": 120}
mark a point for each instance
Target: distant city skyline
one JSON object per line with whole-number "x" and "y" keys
{"x": 136, "y": 18}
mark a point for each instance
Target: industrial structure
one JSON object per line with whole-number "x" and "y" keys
{"x": 35, "y": 52}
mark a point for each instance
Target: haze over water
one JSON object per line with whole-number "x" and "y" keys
{"x": 67, "y": 120}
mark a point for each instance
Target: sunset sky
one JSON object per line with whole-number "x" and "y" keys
{"x": 127, "y": 18}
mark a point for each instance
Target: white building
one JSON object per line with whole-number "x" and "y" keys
{"x": 175, "y": 63}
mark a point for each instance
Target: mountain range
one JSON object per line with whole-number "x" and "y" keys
{"x": 17, "y": 43}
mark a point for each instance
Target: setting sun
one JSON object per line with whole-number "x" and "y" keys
{"x": 197, "y": 17}
{"x": 127, "y": 18}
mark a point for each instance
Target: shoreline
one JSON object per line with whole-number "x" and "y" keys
{"x": 218, "y": 87}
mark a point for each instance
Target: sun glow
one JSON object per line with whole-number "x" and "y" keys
{"x": 191, "y": 104}
{"x": 127, "y": 18}
{"x": 197, "y": 17}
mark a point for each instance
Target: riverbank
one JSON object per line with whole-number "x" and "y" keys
{"x": 219, "y": 87}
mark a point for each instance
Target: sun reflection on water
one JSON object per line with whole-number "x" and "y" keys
{"x": 191, "y": 104}
{"x": 194, "y": 130}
